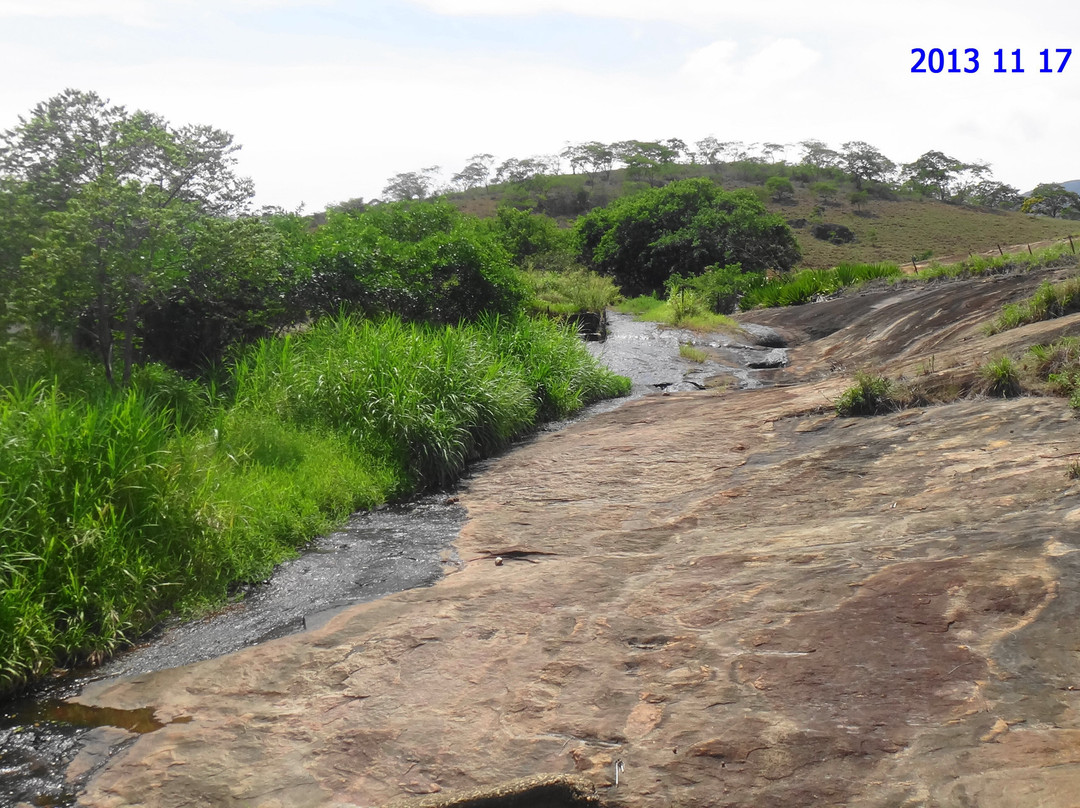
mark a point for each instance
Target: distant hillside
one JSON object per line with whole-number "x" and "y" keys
{"x": 885, "y": 230}
{"x": 1072, "y": 185}
{"x": 905, "y": 229}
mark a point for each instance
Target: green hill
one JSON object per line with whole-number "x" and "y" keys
{"x": 897, "y": 228}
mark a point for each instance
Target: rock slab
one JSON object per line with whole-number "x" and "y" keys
{"x": 730, "y": 599}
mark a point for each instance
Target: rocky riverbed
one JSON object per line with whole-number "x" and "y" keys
{"x": 719, "y": 597}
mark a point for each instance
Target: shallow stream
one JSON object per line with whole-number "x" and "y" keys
{"x": 387, "y": 550}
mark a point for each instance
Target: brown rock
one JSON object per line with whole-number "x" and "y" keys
{"x": 889, "y": 615}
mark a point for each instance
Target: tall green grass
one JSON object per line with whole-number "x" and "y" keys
{"x": 803, "y": 286}
{"x": 570, "y": 291}
{"x": 96, "y": 523}
{"x": 116, "y": 507}
{"x": 1049, "y": 301}
{"x": 683, "y": 309}
{"x": 1054, "y": 255}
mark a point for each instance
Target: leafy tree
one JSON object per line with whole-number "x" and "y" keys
{"x": 994, "y": 194}
{"x": 576, "y": 155}
{"x": 865, "y": 163}
{"x": 817, "y": 153}
{"x": 937, "y": 174}
{"x": 770, "y": 150}
{"x": 644, "y": 159}
{"x": 682, "y": 228}
{"x": 780, "y": 188}
{"x": 677, "y": 147}
{"x": 122, "y": 192}
{"x": 22, "y": 222}
{"x": 859, "y": 198}
{"x": 519, "y": 172}
{"x": 710, "y": 150}
{"x": 411, "y": 185}
{"x": 1051, "y": 199}
{"x": 476, "y": 173}
{"x": 826, "y": 191}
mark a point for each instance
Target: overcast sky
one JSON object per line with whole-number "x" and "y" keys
{"x": 331, "y": 97}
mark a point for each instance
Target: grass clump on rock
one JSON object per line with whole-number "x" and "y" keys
{"x": 1002, "y": 377}
{"x": 1049, "y": 301}
{"x": 870, "y": 395}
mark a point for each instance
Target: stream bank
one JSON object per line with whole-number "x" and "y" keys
{"x": 391, "y": 549}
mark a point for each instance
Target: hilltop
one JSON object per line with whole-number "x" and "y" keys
{"x": 896, "y": 228}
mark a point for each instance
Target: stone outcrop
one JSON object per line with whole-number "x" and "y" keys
{"x": 719, "y": 599}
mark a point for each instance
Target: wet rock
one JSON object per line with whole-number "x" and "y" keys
{"x": 773, "y": 358}
{"x": 764, "y": 336}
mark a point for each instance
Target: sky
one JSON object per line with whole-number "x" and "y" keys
{"x": 330, "y": 98}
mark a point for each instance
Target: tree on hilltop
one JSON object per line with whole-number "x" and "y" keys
{"x": 1051, "y": 199}
{"x": 865, "y": 163}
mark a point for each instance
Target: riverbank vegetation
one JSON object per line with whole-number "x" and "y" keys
{"x": 191, "y": 390}
{"x": 120, "y": 504}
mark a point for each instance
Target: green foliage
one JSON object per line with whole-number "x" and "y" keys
{"x": 780, "y": 188}
{"x": 1001, "y": 377}
{"x": 117, "y": 194}
{"x": 1053, "y": 256}
{"x": 1049, "y": 301}
{"x": 95, "y": 526}
{"x": 568, "y": 288}
{"x": 684, "y": 227}
{"x": 524, "y": 234}
{"x": 937, "y": 174}
{"x": 118, "y": 506}
{"x": 718, "y": 288}
{"x": 1058, "y": 364}
{"x": 685, "y": 313}
{"x": 870, "y": 395}
{"x": 418, "y": 260}
{"x": 805, "y": 285}
{"x": 1051, "y": 199}
{"x": 826, "y": 192}
{"x": 689, "y": 352}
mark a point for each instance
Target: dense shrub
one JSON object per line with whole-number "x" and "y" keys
{"x": 418, "y": 260}
{"x": 684, "y": 227}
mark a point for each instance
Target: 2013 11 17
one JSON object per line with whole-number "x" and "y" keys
{"x": 966, "y": 60}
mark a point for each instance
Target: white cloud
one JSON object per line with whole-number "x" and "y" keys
{"x": 129, "y": 12}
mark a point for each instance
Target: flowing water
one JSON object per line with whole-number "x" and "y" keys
{"x": 386, "y": 550}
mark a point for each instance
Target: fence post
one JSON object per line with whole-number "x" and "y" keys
{"x": 1072, "y": 246}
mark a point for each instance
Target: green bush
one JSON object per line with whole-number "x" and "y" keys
{"x": 683, "y": 227}
{"x": 718, "y": 288}
{"x": 870, "y": 395}
{"x": 417, "y": 260}
{"x": 569, "y": 288}
{"x": 1001, "y": 377}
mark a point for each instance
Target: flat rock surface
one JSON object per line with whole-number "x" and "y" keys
{"x": 729, "y": 598}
